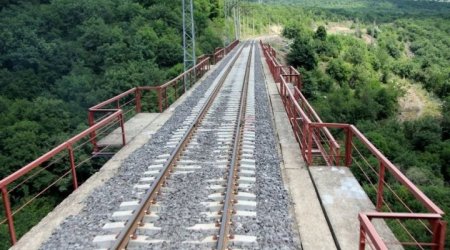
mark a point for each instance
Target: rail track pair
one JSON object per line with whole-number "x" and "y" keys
{"x": 225, "y": 214}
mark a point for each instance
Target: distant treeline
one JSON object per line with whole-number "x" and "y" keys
{"x": 355, "y": 77}
{"x": 59, "y": 57}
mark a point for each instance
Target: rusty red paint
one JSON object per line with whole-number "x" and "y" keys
{"x": 112, "y": 108}
{"x": 72, "y": 167}
{"x": 9, "y": 216}
{"x": 380, "y": 187}
{"x": 307, "y": 127}
{"x": 368, "y": 230}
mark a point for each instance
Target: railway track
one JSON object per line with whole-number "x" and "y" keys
{"x": 200, "y": 190}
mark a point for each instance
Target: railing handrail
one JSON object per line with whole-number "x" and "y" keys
{"x": 386, "y": 215}
{"x": 201, "y": 63}
{"x": 63, "y": 146}
{"x": 434, "y": 215}
{"x": 296, "y": 105}
{"x": 317, "y": 117}
{"x": 371, "y": 231}
{"x": 399, "y": 176}
{"x": 116, "y": 112}
{"x": 113, "y": 99}
{"x": 132, "y": 90}
{"x": 275, "y": 62}
{"x": 203, "y": 60}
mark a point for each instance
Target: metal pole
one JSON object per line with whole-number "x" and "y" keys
{"x": 348, "y": 147}
{"x": 122, "y": 127}
{"x": 138, "y": 100}
{"x": 92, "y": 134}
{"x": 310, "y": 144}
{"x": 72, "y": 167}
{"x": 362, "y": 238}
{"x": 380, "y": 187}
{"x": 9, "y": 216}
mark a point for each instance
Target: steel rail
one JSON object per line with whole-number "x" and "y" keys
{"x": 229, "y": 201}
{"x": 129, "y": 231}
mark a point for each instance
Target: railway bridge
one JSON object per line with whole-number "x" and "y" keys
{"x": 228, "y": 155}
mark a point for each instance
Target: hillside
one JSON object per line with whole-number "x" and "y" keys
{"x": 364, "y": 62}
{"x": 59, "y": 57}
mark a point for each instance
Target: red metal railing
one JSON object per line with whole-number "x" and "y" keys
{"x": 165, "y": 94}
{"x": 301, "y": 114}
{"x": 52, "y": 158}
{"x": 103, "y": 119}
{"x": 425, "y": 227}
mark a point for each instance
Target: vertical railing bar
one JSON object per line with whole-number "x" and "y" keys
{"x": 122, "y": 126}
{"x": 9, "y": 216}
{"x": 72, "y": 167}
{"x": 380, "y": 186}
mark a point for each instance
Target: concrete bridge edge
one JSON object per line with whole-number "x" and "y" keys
{"x": 310, "y": 220}
{"x": 74, "y": 203}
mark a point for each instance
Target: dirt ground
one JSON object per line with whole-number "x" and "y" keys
{"x": 280, "y": 44}
{"x": 408, "y": 51}
{"x": 344, "y": 28}
{"x": 341, "y": 28}
{"x": 416, "y": 101}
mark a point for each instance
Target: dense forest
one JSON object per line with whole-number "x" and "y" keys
{"x": 356, "y": 58}
{"x": 59, "y": 57}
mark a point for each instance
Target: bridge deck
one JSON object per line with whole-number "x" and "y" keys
{"x": 338, "y": 191}
{"x": 343, "y": 199}
{"x": 143, "y": 128}
{"x": 311, "y": 223}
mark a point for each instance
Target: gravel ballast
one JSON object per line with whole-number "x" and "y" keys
{"x": 77, "y": 232}
{"x": 274, "y": 220}
{"x": 185, "y": 192}
{"x": 273, "y": 224}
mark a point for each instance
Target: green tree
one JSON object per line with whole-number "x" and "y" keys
{"x": 339, "y": 70}
{"x": 446, "y": 118}
{"x": 445, "y": 160}
{"x": 321, "y": 33}
{"x": 423, "y": 132}
{"x": 302, "y": 54}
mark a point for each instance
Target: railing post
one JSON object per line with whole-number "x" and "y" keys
{"x": 122, "y": 127}
{"x": 310, "y": 143}
{"x": 304, "y": 138}
{"x": 166, "y": 98}
{"x": 439, "y": 229}
{"x": 380, "y": 186}
{"x": 138, "y": 100}
{"x": 362, "y": 238}
{"x": 278, "y": 73}
{"x": 72, "y": 167}
{"x": 348, "y": 147}
{"x": 331, "y": 153}
{"x": 92, "y": 135}
{"x": 9, "y": 216}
